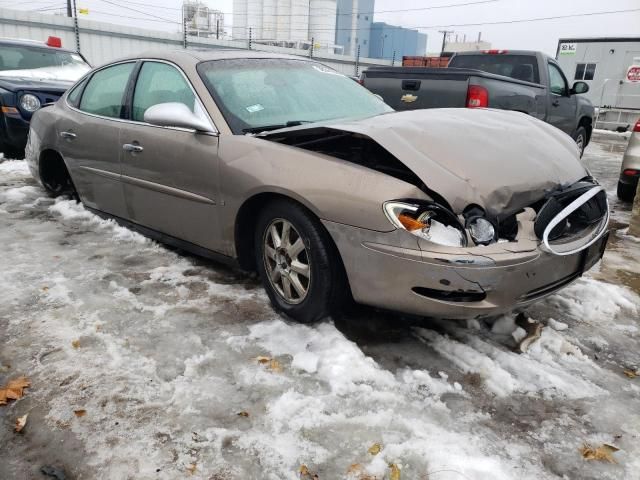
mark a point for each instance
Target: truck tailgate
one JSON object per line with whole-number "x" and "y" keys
{"x": 403, "y": 90}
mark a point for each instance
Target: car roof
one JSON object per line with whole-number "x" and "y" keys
{"x": 197, "y": 55}
{"x": 32, "y": 44}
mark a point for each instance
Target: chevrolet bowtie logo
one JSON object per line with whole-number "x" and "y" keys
{"x": 408, "y": 98}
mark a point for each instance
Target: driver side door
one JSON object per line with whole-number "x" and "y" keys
{"x": 562, "y": 105}
{"x": 169, "y": 175}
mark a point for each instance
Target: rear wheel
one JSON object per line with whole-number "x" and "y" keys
{"x": 626, "y": 192}
{"x": 297, "y": 262}
{"x": 55, "y": 176}
{"x": 581, "y": 140}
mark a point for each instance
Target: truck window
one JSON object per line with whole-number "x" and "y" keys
{"x": 518, "y": 67}
{"x": 557, "y": 83}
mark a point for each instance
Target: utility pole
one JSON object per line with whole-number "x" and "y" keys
{"x": 217, "y": 29}
{"x": 76, "y": 28}
{"x": 444, "y": 33}
{"x": 69, "y": 11}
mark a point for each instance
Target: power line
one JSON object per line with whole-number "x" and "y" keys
{"x": 436, "y": 7}
{"x": 139, "y": 11}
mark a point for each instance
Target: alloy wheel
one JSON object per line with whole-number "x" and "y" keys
{"x": 286, "y": 261}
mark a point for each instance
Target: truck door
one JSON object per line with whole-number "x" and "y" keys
{"x": 561, "y": 107}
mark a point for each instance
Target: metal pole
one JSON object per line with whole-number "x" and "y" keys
{"x": 218, "y": 29}
{"x": 357, "y": 60}
{"x": 311, "y": 48}
{"x": 444, "y": 38}
{"x": 184, "y": 33}
{"x": 249, "y": 38}
{"x": 393, "y": 59}
{"x": 75, "y": 26}
{"x": 69, "y": 10}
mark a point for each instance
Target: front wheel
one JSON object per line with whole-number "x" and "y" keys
{"x": 626, "y": 192}
{"x": 581, "y": 140}
{"x": 297, "y": 262}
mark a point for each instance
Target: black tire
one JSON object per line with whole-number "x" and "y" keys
{"x": 327, "y": 288}
{"x": 581, "y": 139}
{"x": 626, "y": 192}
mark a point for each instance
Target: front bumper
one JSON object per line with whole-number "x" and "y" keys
{"x": 14, "y": 130}
{"x": 412, "y": 280}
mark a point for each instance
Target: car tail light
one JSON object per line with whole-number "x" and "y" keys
{"x": 495, "y": 52}
{"x": 630, "y": 172}
{"x": 54, "y": 42}
{"x": 477, "y": 97}
{"x": 636, "y": 128}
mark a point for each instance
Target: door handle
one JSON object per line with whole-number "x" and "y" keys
{"x": 68, "y": 135}
{"x": 133, "y": 148}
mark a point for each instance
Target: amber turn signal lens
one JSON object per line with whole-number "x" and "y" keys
{"x": 9, "y": 110}
{"x": 411, "y": 223}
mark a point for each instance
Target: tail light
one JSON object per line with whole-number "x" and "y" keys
{"x": 495, "y": 52}
{"x": 636, "y": 128}
{"x": 477, "y": 97}
{"x": 630, "y": 172}
{"x": 54, "y": 42}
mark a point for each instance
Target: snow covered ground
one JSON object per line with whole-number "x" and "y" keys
{"x": 162, "y": 353}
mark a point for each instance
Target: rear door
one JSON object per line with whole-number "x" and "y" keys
{"x": 89, "y": 134}
{"x": 170, "y": 175}
{"x": 562, "y": 105}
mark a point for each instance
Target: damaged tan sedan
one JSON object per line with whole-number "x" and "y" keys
{"x": 282, "y": 165}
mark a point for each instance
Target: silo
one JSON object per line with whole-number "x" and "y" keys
{"x": 283, "y": 12}
{"x": 300, "y": 20}
{"x": 269, "y": 22}
{"x": 254, "y": 18}
{"x": 322, "y": 22}
{"x": 239, "y": 30}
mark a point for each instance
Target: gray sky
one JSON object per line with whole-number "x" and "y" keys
{"x": 540, "y": 35}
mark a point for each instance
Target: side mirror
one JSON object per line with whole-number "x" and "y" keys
{"x": 175, "y": 114}
{"x": 579, "y": 87}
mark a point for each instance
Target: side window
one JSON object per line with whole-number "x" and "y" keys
{"x": 160, "y": 83}
{"x": 74, "y": 96}
{"x": 104, "y": 94}
{"x": 557, "y": 83}
{"x": 585, "y": 71}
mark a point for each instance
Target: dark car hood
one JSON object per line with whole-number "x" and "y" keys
{"x": 500, "y": 160}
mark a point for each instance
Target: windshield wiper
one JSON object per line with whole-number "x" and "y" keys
{"x": 266, "y": 128}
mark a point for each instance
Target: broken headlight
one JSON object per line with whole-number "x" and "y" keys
{"x": 482, "y": 231}
{"x": 429, "y": 221}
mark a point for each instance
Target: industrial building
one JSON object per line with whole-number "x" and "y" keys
{"x": 287, "y": 23}
{"x": 353, "y": 26}
{"x": 391, "y": 42}
{"x": 611, "y": 67}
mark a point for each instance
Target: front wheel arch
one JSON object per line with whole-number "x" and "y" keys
{"x": 54, "y": 174}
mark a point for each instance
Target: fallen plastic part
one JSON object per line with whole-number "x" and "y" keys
{"x": 533, "y": 329}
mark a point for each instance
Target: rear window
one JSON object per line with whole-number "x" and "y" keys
{"x": 518, "y": 67}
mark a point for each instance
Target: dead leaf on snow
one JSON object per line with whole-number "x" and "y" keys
{"x": 191, "y": 468}
{"x": 243, "y": 414}
{"x": 275, "y": 366}
{"x": 375, "y": 449}
{"x": 45, "y": 288}
{"x": 395, "y": 472}
{"x": 20, "y": 423}
{"x": 603, "y": 453}
{"x": 263, "y": 360}
{"x": 80, "y": 413}
{"x": 631, "y": 373}
{"x": 305, "y": 474}
{"x": 75, "y": 343}
{"x": 13, "y": 390}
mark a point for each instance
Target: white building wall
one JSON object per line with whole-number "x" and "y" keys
{"x": 255, "y": 18}
{"x": 322, "y": 21}
{"x": 283, "y": 19}
{"x": 239, "y": 30}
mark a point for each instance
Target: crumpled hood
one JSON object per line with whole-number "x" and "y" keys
{"x": 500, "y": 160}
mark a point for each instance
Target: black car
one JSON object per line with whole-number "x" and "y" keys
{"x": 32, "y": 74}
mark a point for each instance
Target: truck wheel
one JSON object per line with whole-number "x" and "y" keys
{"x": 581, "y": 139}
{"x": 297, "y": 262}
{"x": 626, "y": 192}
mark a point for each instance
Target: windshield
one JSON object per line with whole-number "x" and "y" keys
{"x": 275, "y": 93}
{"x": 17, "y": 60}
{"x": 518, "y": 67}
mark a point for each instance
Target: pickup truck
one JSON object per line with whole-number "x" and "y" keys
{"x": 524, "y": 81}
